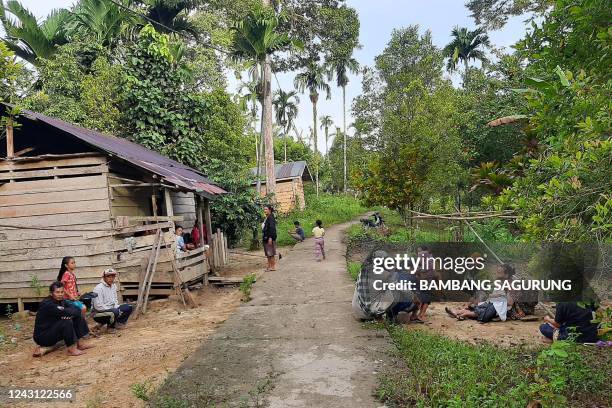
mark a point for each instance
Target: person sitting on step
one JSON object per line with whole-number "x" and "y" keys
{"x": 57, "y": 320}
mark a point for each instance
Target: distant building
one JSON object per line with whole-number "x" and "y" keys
{"x": 290, "y": 178}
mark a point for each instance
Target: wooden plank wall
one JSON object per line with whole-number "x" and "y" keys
{"x": 47, "y": 208}
{"x": 185, "y": 206}
{"x": 63, "y": 206}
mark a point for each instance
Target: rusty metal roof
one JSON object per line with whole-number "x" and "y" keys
{"x": 169, "y": 170}
{"x": 290, "y": 170}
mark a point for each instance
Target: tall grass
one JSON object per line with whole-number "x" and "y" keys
{"x": 436, "y": 371}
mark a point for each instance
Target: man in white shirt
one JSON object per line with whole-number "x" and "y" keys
{"x": 106, "y": 308}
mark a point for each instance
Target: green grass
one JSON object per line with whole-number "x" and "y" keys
{"x": 354, "y": 268}
{"x": 432, "y": 230}
{"x": 435, "y": 371}
{"x": 329, "y": 208}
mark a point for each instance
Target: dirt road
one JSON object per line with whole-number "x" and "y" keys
{"x": 295, "y": 344}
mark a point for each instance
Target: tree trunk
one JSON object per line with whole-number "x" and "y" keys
{"x": 257, "y": 145}
{"x": 266, "y": 127}
{"x": 465, "y": 73}
{"x": 344, "y": 134}
{"x": 326, "y": 141}
{"x": 285, "y": 141}
{"x": 314, "y": 135}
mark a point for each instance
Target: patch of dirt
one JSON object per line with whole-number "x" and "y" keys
{"x": 510, "y": 333}
{"x": 150, "y": 348}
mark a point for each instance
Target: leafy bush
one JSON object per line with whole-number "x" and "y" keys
{"x": 246, "y": 285}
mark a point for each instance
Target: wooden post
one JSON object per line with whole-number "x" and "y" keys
{"x": 20, "y": 306}
{"x": 200, "y": 218}
{"x": 209, "y": 236}
{"x": 154, "y": 204}
{"x": 10, "y": 146}
{"x": 169, "y": 207}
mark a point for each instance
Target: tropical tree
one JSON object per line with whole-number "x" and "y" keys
{"x": 171, "y": 15}
{"x": 286, "y": 106}
{"x": 466, "y": 45}
{"x": 252, "y": 96}
{"x": 27, "y": 38}
{"x": 313, "y": 79}
{"x": 103, "y": 20}
{"x": 255, "y": 38}
{"x": 326, "y": 123}
{"x": 341, "y": 66}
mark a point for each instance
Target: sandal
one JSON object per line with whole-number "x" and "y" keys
{"x": 450, "y": 313}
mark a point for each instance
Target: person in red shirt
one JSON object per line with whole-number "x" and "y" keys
{"x": 67, "y": 276}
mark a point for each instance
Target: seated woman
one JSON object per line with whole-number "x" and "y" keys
{"x": 571, "y": 317}
{"x": 56, "y": 320}
{"x": 497, "y": 304}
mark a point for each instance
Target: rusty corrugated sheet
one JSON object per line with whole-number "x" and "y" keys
{"x": 171, "y": 171}
{"x": 297, "y": 169}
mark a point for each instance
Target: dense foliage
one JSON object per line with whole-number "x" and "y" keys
{"x": 564, "y": 192}
{"x": 408, "y": 110}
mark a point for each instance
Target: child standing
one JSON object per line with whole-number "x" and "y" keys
{"x": 68, "y": 278}
{"x": 318, "y": 232}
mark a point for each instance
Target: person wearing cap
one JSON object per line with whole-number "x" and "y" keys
{"x": 106, "y": 308}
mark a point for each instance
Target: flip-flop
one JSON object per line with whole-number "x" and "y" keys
{"x": 417, "y": 321}
{"x": 450, "y": 313}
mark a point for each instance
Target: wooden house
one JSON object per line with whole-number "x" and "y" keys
{"x": 70, "y": 191}
{"x": 290, "y": 179}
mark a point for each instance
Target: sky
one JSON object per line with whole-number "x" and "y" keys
{"x": 378, "y": 18}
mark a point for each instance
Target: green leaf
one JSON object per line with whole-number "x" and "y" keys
{"x": 564, "y": 81}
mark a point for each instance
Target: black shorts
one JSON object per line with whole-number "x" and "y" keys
{"x": 485, "y": 312}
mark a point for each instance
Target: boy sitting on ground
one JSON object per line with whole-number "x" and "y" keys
{"x": 297, "y": 233}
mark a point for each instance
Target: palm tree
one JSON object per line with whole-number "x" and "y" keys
{"x": 27, "y": 38}
{"x": 102, "y": 19}
{"x": 252, "y": 97}
{"x": 326, "y": 123}
{"x": 313, "y": 79}
{"x": 255, "y": 38}
{"x": 286, "y": 105}
{"x": 171, "y": 15}
{"x": 341, "y": 67}
{"x": 465, "y": 45}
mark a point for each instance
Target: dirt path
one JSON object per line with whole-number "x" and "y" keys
{"x": 295, "y": 344}
{"x": 146, "y": 352}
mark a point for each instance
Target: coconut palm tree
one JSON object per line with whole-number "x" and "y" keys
{"x": 313, "y": 79}
{"x": 326, "y": 123}
{"x": 466, "y": 45}
{"x": 254, "y": 39}
{"x": 27, "y": 38}
{"x": 340, "y": 67}
{"x": 286, "y": 106}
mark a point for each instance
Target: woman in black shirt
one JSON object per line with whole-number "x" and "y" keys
{"x": 56, "y": 320}
{"x": 269, "y": 237}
